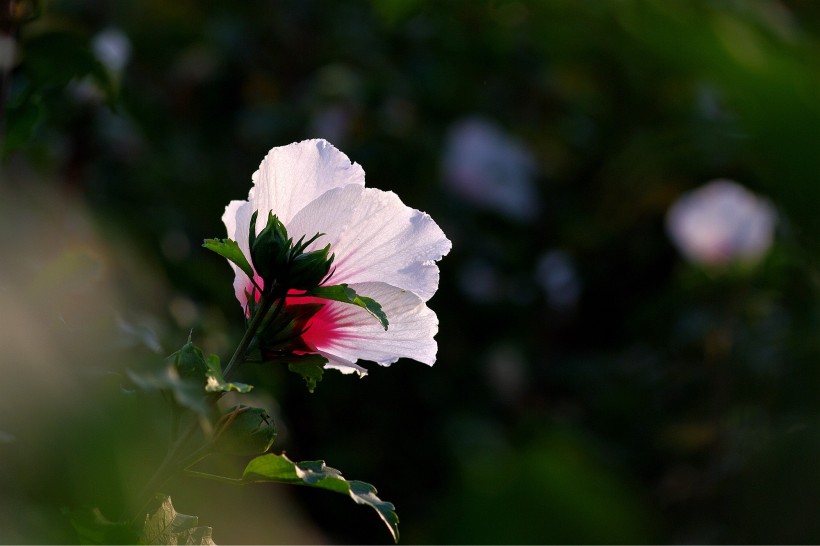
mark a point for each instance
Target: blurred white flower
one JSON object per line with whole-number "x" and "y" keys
{"x": 113, "y": 49}
{"x": 556, "y": 275}
{"x": 720, "y": 223}
{"x": 383, "y": 249}
{"x": 491, "y": 169}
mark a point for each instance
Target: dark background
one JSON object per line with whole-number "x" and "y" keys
{"x": 643, "y": 399}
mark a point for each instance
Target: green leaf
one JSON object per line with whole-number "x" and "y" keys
{"x": 215, "y": 381}
{"x": 228, "y": 248}
{"x": 345, "y": 294}
{"x": 310, "y": 366}
{"x": 167, "y": 526}
{"x": 280, "y": 469}
{"x": 188, "y": 393}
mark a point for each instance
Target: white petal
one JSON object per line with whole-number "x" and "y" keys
{"x": 237, "y": 218}
{"x": 358, "y": 335}
{"x": 376, "y": 238}
{"x": 344, "y": 366}
{"x": 292, "y": 176}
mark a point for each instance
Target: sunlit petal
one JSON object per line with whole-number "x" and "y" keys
{"x": 292, "y": 176}
{"x": 345, "y": 333}
{"x": 376, "y": 238}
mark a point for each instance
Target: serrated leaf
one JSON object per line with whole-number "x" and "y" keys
{"x": 167, "y": 526}
{"x": 229, "y": 249}
{"x": 215, "y": 381}
{"x": 345, "y": 294}
{"x": 310, "y": 366}
{"x": 278, "y": 468}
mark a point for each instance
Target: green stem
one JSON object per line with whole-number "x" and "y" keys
{"x": 163, "y": 473}
{"x": 264, "y": 304}
{"x": 214, "y": 477}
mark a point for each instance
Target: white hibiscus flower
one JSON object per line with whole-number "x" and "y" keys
{"x": 383, "y": 249}
{"x": 721, "y": 223}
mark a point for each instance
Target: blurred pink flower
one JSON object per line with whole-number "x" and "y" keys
{"x": 720, "y": 223}
{"x": 489, "y": 168}
{"x": 384, "y": 250}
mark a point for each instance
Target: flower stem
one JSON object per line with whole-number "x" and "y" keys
{"x": 264, "y": 305}
{"x": 163, "y": 473}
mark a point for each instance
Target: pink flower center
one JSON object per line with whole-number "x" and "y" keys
{"x": 323, "y": 329}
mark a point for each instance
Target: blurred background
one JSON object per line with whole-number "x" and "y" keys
{"x": 629, "y": 318}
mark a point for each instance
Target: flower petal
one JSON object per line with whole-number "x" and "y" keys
{"x": 345, "y": 333}
{"x": 237, "y": 218}
{"x": 376, "y": 238}
{"x": 292, "y": 176}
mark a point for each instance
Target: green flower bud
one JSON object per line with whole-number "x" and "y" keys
{"x": 270, "y": 250}
{"x": 310, "y": 269}
{"x": 244, "y": 430}
{"x": 189, "y": 362}
{"x": 280, "y": 261}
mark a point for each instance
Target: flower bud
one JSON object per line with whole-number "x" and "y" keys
{"x": 270, "y": 250}
{"x": 310, "y": 269}
{"x": 244, "y": 430}
{"x": 280, "y": 261}
{"x": 189, "y": 362}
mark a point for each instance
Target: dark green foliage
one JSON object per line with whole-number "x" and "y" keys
{"x": 310, "y": 367}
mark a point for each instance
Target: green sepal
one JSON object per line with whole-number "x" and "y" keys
{"x": 310, "y": 366}
{"x": 228, "y": 248}
{"x": 167, "y": 526}
{"x": 280, "y": 469}
{"x": 345, "y": 294}
{"x": 93, "y": 527}
{"x": 308, "y": 269}
{"x": 281, "y": 334}
{"x": 215, "y": 381}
